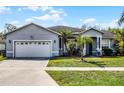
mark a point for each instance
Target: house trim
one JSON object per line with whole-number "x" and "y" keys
{"x": 9, "y": 51}
{"x": 55, "y": 51}
{"x": 94, "y": 30}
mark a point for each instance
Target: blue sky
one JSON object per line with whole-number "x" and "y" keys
{"x": 61, "y": 15}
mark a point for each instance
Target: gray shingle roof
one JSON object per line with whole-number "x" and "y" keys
{"x": 76, "y": 31}
{"x": 73, "y": 29}
{"x": 108, "y": 34}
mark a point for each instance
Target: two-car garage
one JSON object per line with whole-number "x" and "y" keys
{"x": 32, "y": 41}
{"x": 32, "y": 48}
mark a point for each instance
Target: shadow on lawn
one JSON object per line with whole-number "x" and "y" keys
{"x": 99, "y": 64}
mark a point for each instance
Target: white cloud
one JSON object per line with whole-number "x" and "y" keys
{"x": 15, "y": 22}
{"x": 51, "y": 14}
{"x": 93, "y": 22}
{"x": 44, "y": 17}
{"x": 112, "y": 24}
{"x": 4, "y": 10}
{"x": 59, "y": 11}
{"x": 45, "y": 8}
{"x": 29, "y": 20}
{"x": 33, "y": 8}
{"x": 48, "y": 17}
{"x": 36, "y": 8}
{"x": 89, "y": 21}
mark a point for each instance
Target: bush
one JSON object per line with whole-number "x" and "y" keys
{"x": 107, "y": 51}
{"x": 3, "y": 53}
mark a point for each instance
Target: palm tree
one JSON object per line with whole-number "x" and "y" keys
{"x": 65, "y": 34}
{"x": 121, "y": 20}
{"x": 71, "y": 47}
{"x": 81, "y": 40}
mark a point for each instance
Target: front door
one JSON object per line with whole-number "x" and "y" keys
{"x": 90, "y": 49}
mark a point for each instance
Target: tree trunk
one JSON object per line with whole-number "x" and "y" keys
{"x": 82, "y": 58}
{"x": 66, "y": 47}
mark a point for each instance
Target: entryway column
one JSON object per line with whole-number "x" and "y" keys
{"x": 99, "y": 45}
{"x": 109, "y": 43}
{"x": 84, "y": 50}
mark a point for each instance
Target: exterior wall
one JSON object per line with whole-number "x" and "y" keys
{"x": 92, "y": 33}
{"x": 32, "y": 32}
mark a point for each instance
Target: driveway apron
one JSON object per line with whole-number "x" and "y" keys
{"x": 25, "y": 73}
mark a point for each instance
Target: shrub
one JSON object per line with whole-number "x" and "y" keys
{"x": 107, "y": 51}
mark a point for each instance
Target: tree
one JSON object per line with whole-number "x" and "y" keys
{"x": 84, "y": 27}
{"x": 121, "y": 20}
{"x": 81, "y": 40}
{"x": 71, "y": 47}
{"x": 9, "y": 28}
{"x": 65, "y": 34}
{"x": 119, "y": 39}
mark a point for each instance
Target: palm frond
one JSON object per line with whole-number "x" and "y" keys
{"x": 121, "y": 20}
{"x": 81, "y": 40}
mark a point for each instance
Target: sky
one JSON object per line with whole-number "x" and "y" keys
{"x": 75, "y": 16}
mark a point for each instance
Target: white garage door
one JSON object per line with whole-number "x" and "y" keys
{"x": 32, "y": 49}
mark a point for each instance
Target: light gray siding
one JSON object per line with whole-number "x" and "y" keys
{"x": 92, "y": 33}
{"x": 32, "y": 32}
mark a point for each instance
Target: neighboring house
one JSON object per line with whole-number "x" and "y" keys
{"x": 33, "y": 40}
{"x": 2, "y": 43}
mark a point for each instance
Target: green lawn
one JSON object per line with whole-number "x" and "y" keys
{"x": 2, "y": 58}
{"x": 91, "y": 62}
{"x": 88, "y": 78}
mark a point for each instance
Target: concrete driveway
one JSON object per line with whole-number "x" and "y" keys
{"x": 25, "y": 73}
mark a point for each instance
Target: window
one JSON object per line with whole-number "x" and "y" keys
{"x": 105, "y": 43}
{"x": 43, "y": 43}
{"x": 17, "y": 43}
{"x": 30, "y": 42}
{"x": 39, "y": 43}
{"x": 22, "y": 43}
{"x": 54, "y": 41}
{"x": 26, "y": 43}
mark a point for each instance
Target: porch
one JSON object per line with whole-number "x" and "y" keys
{"x": 94, "y": 48}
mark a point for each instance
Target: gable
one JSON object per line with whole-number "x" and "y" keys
{"x": 31, "y": 30}
{"x": 29, "y": 26}
{"x": 92, "y": 33}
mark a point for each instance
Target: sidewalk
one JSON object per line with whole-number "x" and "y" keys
{"x": 85, "y": 68}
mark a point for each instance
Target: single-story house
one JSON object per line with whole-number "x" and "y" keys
{"x": 2, "y": 43}
{"x": 33, "y": 40}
